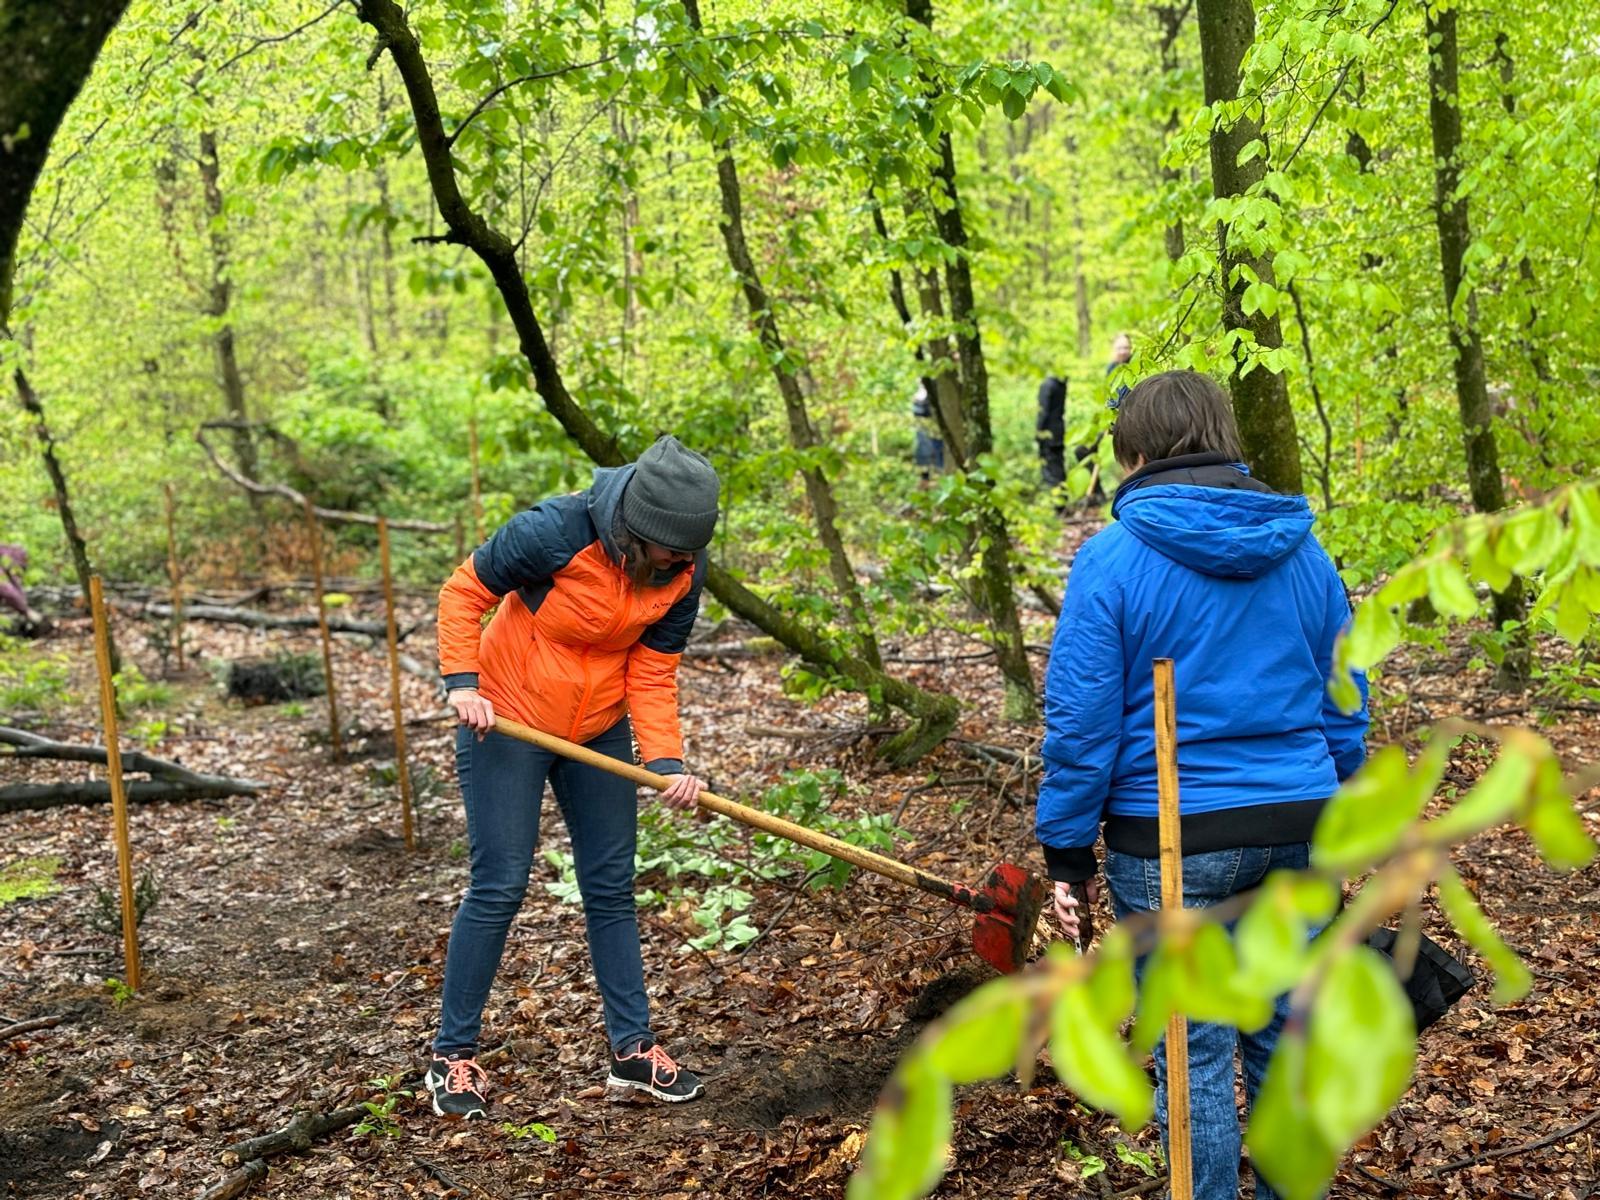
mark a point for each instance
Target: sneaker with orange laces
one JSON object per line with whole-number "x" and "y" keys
{"x": 647, "y": 1068}
{"x": 456, "y": 1084}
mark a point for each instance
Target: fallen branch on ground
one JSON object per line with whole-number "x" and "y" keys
{"x": 1559, "y": 1135}
{"x": 33, "y": 745}
{"x": 262, "y": 620}
{"x": 21, "y": 1027}
{"x": 170, "y": 782}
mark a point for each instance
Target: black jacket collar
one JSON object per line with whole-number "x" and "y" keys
{"x": 1208, "y": 469}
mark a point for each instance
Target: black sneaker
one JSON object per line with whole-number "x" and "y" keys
{"x": 456, "y": 1085}
{"x": 647, "y": 1068}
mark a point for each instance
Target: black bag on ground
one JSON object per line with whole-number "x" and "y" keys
{"x": 1438, "y": 979}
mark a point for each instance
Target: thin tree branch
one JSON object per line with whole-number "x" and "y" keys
{"x": 283, "y": 37}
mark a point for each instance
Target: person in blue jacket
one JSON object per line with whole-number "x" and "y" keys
{"x": 1211, "y": 568}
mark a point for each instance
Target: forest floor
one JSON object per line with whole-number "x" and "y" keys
{"x": 296, "y": 949}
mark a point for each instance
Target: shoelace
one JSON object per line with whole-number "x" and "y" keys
{"x": 663, "y": 1071}
{"x": 462, "y": 1073}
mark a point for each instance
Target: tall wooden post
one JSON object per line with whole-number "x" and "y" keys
{"x": 119, "y": 799}
{"x": 1180, "y": 1158}
{"x": 401, "y": 765}
{"x": 175, "y": 574}
{"x": 477, "y": 490}
{"x": 314, "y": 533}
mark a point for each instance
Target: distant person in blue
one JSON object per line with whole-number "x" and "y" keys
{"x": 1213, "y": 569}
{"x": 1121, "y": 353}
{"x": 928, "y": 452}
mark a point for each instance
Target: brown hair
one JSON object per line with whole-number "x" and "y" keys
{"x": 1176, "y": 412}
{"x": 636, "y": 564}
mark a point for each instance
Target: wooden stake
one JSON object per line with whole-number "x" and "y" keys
{"x": 1180, "y": 1158}
{"x": 402, "y": 767}
{"x": 477, "y": 492}
{"x": 119, "y": 800}
{"x": 314, "y": 532}
{"x": 175, "y": 574}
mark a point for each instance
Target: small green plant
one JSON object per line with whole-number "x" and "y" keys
{"x": 1144, "y": 1160}
{"x": 106, "y": 913}
{"x": 458, "y": 850}
{"x": 30, "y": 681}
{"x": 293, "y": 710}
{"x": 121, "y": 993}
{"x": 149, "y": 732}
{"x": 28, "y": 879}
{"x": 380, "y": 1109}
{"x": 531, "y": 1130}
{"x": 134, "y": 691}
{"x": 1089, "y": 1165}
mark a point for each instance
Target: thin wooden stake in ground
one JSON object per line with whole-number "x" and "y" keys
{"x": 1179, "y": 1152}
{"x": 119, "y": 801}
{"x": 174, "y": 573}
{"x": 477, "y": 491}
{"x": 314, "y": 532}
{"x": 401, "y": 766}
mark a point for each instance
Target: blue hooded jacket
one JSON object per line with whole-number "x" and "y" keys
{"x": 1211, "y": 569}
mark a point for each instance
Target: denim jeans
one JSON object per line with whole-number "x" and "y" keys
{"x": 1208, "y": 879}
{"x": 502, "y": 783}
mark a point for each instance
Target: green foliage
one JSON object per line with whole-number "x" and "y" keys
{"x": 135, "y": 692}
{"x": 380, "y": 1120}
{"x": 28, "y": 878}
{"x": 531, "y": 1130}
{"x": 121, "y": 993}
{"x": 30, "y": 680}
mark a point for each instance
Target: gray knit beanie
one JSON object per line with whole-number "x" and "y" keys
{"x": 672, "y": 498}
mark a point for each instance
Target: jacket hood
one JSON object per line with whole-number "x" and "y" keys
{"x": 605, "y": 506}
{"x": 1231, "y": 534}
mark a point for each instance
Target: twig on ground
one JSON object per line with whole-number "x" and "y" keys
{"x": 1524, "y": 1148}
{"x": 236, "y": 1183}
{"x": 21, "y": 1027}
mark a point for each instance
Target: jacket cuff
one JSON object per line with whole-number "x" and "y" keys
{"x": 1070, "y": 864}
{"x": 665, "y": 766}
{"x": 460, "y": 679}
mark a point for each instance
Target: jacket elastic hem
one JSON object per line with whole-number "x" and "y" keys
{"x": 1069, "y": 864}
{"x": 1282, "y": 824}
{"x": 665, "y": 766}
{"x": 460, "y": 679}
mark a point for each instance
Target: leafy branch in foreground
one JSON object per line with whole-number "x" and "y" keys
{"x": 1317, "y": 1098}
{"x": 1558, "y": 541}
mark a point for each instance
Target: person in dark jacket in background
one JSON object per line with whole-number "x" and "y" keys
{"x": 1212, "y": 569}
{"x": 1050, "y": 429}
{"x": 928, "y": 451}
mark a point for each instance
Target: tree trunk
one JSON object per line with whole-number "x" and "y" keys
{"x": 933, "y": 715}
{"x": 1461, "y": 312}
{"x": 1171, "y": 18}
{"x": 1261, "y": 398}
{"x": 76, "y": 548}
{"x": 1080, "y": 284}
{"x": 994, "y": 538}
{"x": 216, "y": 307}
{"x": 50, "y": 48}
{"x": 803, "y": 434}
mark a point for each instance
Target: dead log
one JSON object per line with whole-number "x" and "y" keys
{"x": 33, "y": 745}
{"x": 261, "y": 620}
{"x": 236, "y": 1183}
{"x": 21, "y": 1027}
{"x": 37, "y": 797}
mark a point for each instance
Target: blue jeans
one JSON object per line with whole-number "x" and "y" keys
{"x": 502, "y": 783}
{"x": 1208, "y": 879}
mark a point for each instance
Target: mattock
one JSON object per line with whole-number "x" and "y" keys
{"x": 1006, "y": 906}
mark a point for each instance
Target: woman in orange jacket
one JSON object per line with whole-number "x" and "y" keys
{"x": 597, "y": 594}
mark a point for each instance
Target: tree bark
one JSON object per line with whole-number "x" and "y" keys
{"x": 994, "y": 538}
{"x": 803, "y": 434}
{"x": 50, "y": 48}
{"x": 946, "y": 393}
{"x": 933, "y": 715}
{"x": 76, "y": 548}
{"x": 218, "y": 297}
{"x": 1171, "y": 19}
{"x": 1466, "y": 348}
{"x": 1261, "y": 398}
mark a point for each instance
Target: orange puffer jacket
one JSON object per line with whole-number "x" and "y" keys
{"x": 574, "y": 645}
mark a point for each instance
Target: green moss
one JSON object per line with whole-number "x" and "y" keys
{"x": 26, "y": 878}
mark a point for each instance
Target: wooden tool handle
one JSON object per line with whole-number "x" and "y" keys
{"x": 1180, "y": 1157}
{"x": 867, "y": 860}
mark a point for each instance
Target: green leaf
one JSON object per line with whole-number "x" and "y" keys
{"x": 1449, "y": 590}
{"x": 1369, "y": 815}
{"x": 979, "y": 1038}
{"x": 905, "y": 1150}
{"x": 1553, "y": 823}
{"x": 1093, "y": 1061}
{"x": 1529, "y": 540}
{"x": 1360, "y": 1004}
{"x": 1373, "y": 633}
{"x": 1286, "y": 1142}
{"x": 1013, "y": 104}
{"x": 1583, "y": 513}
{"x": 860, "y": 76}
{"x": 1493, "y": 799}
{"x": 1512, "y": 978}
{"x": 1272, "y": 938}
